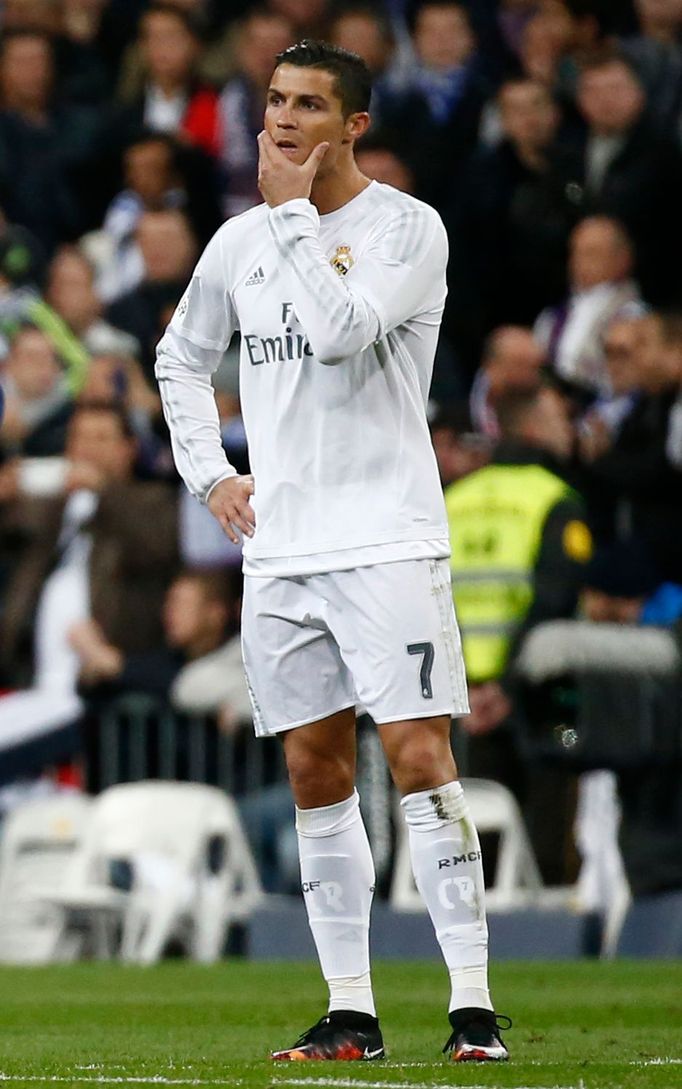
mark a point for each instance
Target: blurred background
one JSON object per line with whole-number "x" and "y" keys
{"x": 548, "y": 134}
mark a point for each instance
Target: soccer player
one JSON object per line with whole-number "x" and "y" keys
{"x": 336, "y": 285}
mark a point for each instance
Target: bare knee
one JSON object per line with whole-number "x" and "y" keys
{"x": 321, "y": 763}
{"x": 419, "y": 753}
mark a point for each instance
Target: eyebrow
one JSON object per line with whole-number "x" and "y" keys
{"x": 301, "y": 97}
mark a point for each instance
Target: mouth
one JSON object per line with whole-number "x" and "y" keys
{"x": 287, "y": 146}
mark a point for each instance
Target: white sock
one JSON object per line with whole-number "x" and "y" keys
{"x": 337, "y": 873}
{"x": 446, "y": 862}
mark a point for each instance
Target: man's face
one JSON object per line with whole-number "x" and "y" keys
{"x": 26, "y": 72}
{"x": 597, "y": 256}
{"x": 33, "y": 365}
{"x": 301, "y": 12}
{"x": 384, "y": 166}
{"x": 169, "y": 50}
{"x": 264, "y": 36}
{"x": 97, "y": 439}
{"x": 610, "y": 98}
{"x": 167, "y": 246}
{"x": 515, "y": 360}
{"x": 529, "y": 116}
{"x": 304, "y": 110}
{"x": 359, "y": 33}
{"x": 191, "y": 616}
{"x": 443, "y": 37}
{"x": 71, "y": 291}
{"x": 182, "y": 612}
{"x": 149, "y": 171}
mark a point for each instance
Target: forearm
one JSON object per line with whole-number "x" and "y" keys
{"x": 190, "y": 412}
{"x": 338, "y": 322}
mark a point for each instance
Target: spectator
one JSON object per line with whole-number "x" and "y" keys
{"x": 261, "y": 36}
{"x": 173, "y": 100}
{"x": 21, "y": 267}
{"x": 168, "y": 250}
{"x": 459, "y": 450}
{"x": 622, "y": 168}
{"x": 102, "y": 545}
{"x": 447, "y": 76}
{"x": 159, "y": 174}
{"x": 630, "y": 479}
{"x": 72, "y": 295}
{"x": 38, "y": 405}
{"x": 365, "y": 29}
{"x": 545, "y": 40}
{"x": 197, "y": 612}
{"x": 656, "y": 54}
{"x": 118, "y": 380}
{"x": 519, "y": 545}
{"x": 600, "y": 270}
{"x": 81, "y": 76}
{"x": 307, "y": 17}
{"x": 34, "y": 184}
{"x": 378, "y": 158}
{"x": 509, "y": 238}
{"x": 512, "y": 360}
{"x": 215, "y": 683}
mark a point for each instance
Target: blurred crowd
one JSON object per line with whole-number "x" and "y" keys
{"x": 547, "y": 133}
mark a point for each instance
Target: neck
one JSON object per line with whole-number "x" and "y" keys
{"x": 661, "y": 31}
{"x": 531, "y": 156}
{"x": 32, "y": 108}
{"x": 334, "y": 190}
{"x": 201, "y": 645}
{"x": 169, "y": 87}
{"x": 611, "y": 133}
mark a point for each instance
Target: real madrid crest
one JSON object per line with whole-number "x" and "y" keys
{"x": 342, "y": 260}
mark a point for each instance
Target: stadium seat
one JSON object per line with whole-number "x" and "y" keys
{"x": 168, "y": 862}
{"x": 39, "y": 838}
{"x": 493, "y": 809}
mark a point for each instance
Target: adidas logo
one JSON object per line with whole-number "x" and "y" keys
{"x": 256, "y": 278}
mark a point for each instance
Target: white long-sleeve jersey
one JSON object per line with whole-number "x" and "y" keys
{"x": 339, "y": 317}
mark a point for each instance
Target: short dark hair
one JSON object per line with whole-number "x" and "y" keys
{"x": 605, "y": 57}
{"x": 514, "y": 406}
{"x": 189, "y": 21}
{"x": 352, "y": 78}
{"x": 415, "y": 8}
{"x": 19, "y": 33}
{"x": 221, "y": 584}
{"x": 105, "y": 408}
{"x": 365, "y": 9}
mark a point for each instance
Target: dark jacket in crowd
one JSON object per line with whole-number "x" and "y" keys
{"x": 132, "y": 561}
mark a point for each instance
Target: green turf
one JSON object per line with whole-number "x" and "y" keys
{"x": 584, "y": 1025}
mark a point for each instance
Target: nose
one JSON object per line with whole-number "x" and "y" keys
{"x": 285, "y": 118}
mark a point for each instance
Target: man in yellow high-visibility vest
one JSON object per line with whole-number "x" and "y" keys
{"x": 519, "y": 547}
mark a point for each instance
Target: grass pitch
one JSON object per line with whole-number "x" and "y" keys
{"x": 581, "y": 1025}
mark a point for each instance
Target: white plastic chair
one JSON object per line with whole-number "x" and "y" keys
{"x": 190, "y": 867}
{"x": 493, "y": 808}
{"x": 37, "y": 841}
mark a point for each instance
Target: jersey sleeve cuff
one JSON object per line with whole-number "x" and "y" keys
{"x": 230, "y": 471}
{"x": 291, "y": 220}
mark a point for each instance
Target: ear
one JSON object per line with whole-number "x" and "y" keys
{"x": 356, "y": 126}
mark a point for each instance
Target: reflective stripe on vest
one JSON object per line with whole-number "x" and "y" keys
{"x": 496, "y": 518}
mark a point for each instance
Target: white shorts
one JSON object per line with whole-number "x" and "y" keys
{"x": 383, "y": 638}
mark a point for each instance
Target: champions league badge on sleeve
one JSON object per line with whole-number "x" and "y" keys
{"x": 342, "y": 261}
